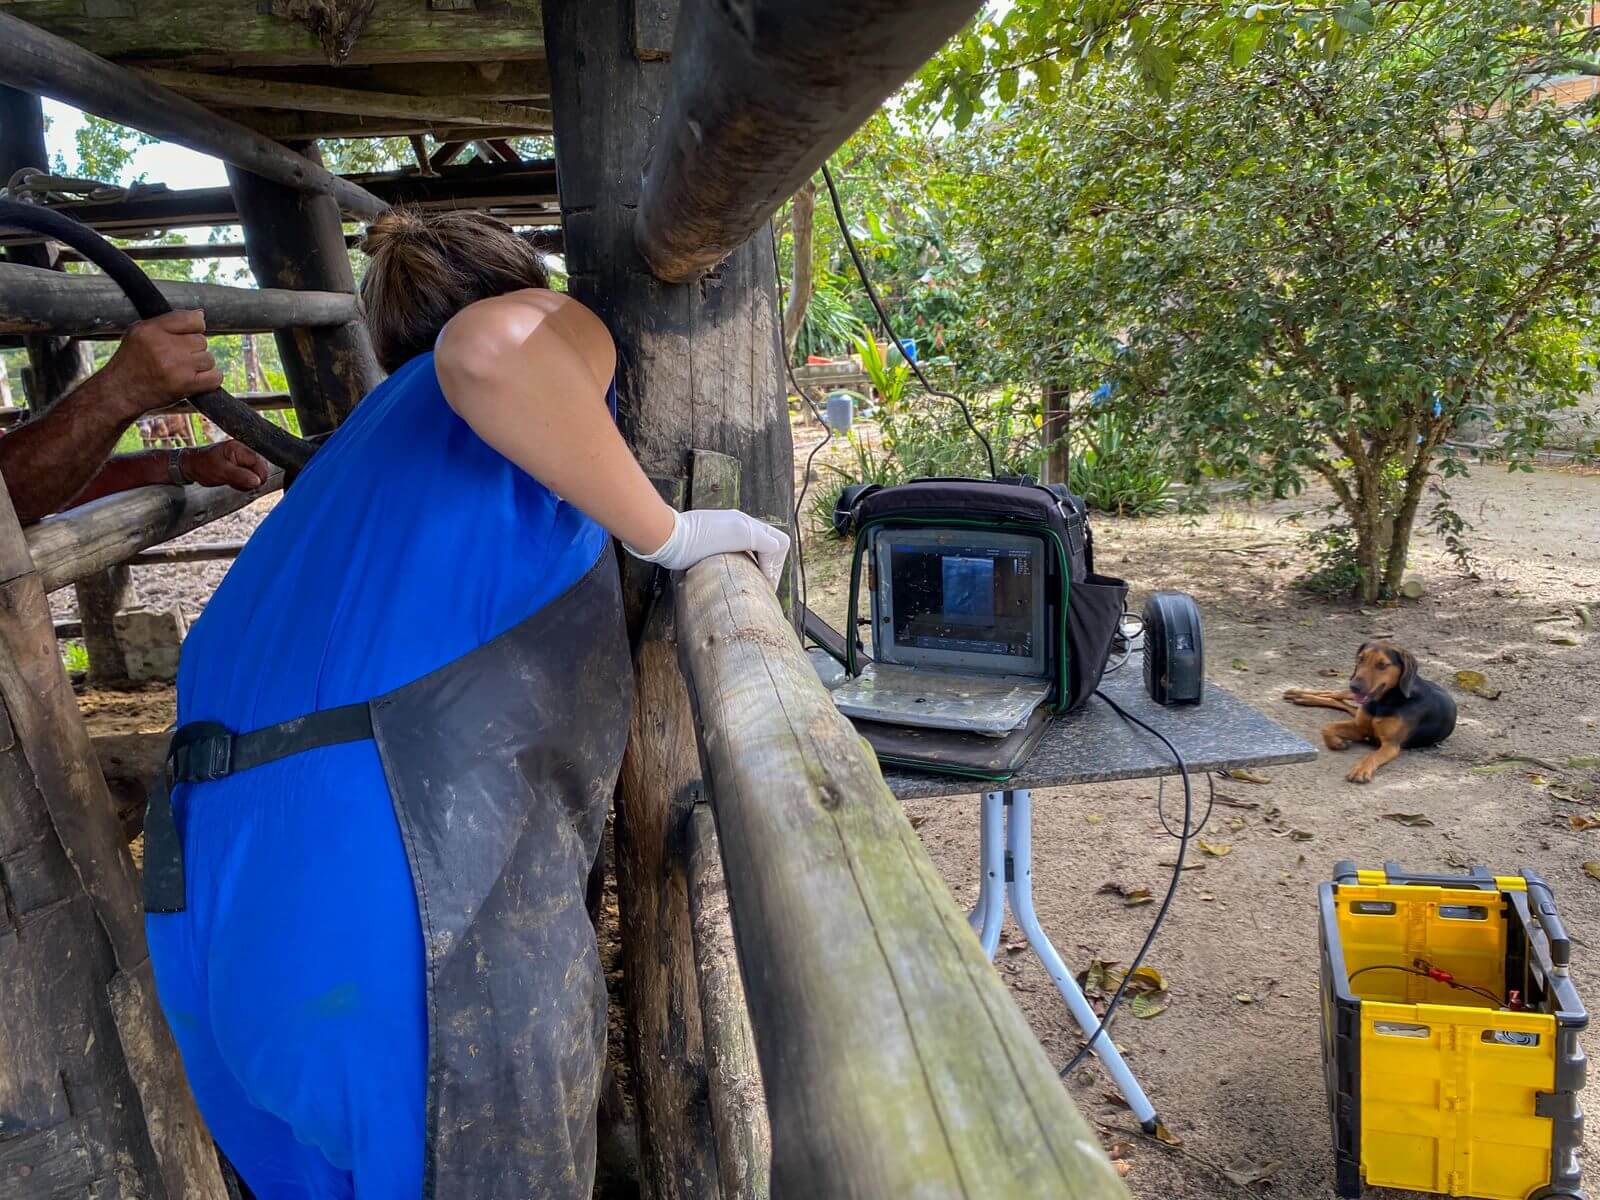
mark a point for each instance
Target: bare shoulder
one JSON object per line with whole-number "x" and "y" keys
{"x": 502, "y": 329}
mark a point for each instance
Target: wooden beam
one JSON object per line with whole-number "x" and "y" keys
{"x": 241, "y": 91}
{"x": 41, "y": 62}
{"x": 733, "y": 1072}
{"x": 295, "y": 240}
{"x": 33, "y": 300}
{"x": 528, "y": 188}
{"x": 235, "y": 33}
{"x": 697, "y": 367}
{"x": 446, "y": 154}
{"x": 762, "y": 93}
{"x": 68, "y": 546}
{"x": 894, "y": 1060}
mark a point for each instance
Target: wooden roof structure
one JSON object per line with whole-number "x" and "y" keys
{"x": 785, "y": 937}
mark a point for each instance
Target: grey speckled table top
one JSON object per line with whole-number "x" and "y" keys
{"x": 1094, "y": 745}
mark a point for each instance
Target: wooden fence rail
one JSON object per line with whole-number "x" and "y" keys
{"x": 82, "y": 541}
{"x": 893, "y": 1060}
{"x": 39, "y": 300}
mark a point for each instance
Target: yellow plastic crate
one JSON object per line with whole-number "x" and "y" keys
{"x": 1438, "y": 1088}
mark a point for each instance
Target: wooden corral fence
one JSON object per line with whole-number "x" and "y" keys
{"x": 808, "y": 1012}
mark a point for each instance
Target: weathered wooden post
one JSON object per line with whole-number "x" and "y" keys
{"x": 92, "y": 1096}
{"x": 699, "y": 366}
{"x": 56, "y": 365}
{"x": 294, "y": 240}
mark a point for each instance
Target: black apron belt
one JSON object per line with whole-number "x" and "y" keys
{"x": 202, "y": 751}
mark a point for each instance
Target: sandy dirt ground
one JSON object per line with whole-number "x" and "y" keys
{"x": 1233, "y": 1064}
{"x": 1238, "y": 1080}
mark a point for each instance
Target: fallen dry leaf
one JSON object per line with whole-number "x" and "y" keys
{"x": 1093, "y": 818}
{"x": 1582, "y": 823}
{"x": 1563, "y": 641}
{"x": 1584, "y": 762}
{"x": 1477, "y": 684}
{"x": 1593, "y": 868}
{"x": 1244, "y": 998}
{"x": 1215, "y": 849}
{"x": 1207, "y": 896}
{"x": 1239, "y": 664}
{"x": 1133, "y": 897}
{"x": 1413, "y": 820}
{"x": 1165, "y": 1136}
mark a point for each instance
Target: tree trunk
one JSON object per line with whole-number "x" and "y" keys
{"x": 1405, "y": 518}
{"x": 794, "y": 314}
{"x": 1057, "y": 418}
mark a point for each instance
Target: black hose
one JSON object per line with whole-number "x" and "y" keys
{"x": 234, "y": 417}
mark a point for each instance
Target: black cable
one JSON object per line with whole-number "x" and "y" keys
{"x": 1172, "y": 888}
{"x": 888, "y": 327}
{"x": 1211, "y": 803}
{"x": 1464, "y": 987}
{"x": 827, "y": 432}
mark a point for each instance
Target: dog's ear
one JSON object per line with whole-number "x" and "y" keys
{"x": 1408, "y": 672}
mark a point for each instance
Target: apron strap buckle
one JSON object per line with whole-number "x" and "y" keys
{"x": 202, "y": 752}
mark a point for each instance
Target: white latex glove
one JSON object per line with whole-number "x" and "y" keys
{"x": 702, "y": 532}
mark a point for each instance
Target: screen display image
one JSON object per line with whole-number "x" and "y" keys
{"x": 966, "y": 599}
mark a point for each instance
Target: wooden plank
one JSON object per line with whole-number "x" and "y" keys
{"x": 67, "y": 546}
{"x": 173, "y": 32}
{"x": 653, "y": 23}
{"x": 33, "y": 300}
{"x": 738, "y": 1109}
{"x": 301, "y": 126}
{"x": 675, "y": 344}
{"x": 494, "y": 187}
{"x": 762, "y": 93}
{"x": 510, "y": 82}
{"x": 41, "y": 62}
{"x": 895, "y": 1062}
{"x": 296, "y": 241}
{"x": 241, "y": 91}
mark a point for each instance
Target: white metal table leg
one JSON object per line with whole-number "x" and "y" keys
{"x": 990, "y": 911}
{"x": 1019, "y": 873}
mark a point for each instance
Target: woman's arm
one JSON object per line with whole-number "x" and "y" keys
{"x": 529, "y": 372}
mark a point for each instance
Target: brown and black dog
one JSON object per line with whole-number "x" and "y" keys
{"x": 1388, "y": 704}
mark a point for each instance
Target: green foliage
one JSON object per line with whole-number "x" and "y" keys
{"x": 1036, "y": 49}
{"x": 1311, "y": 266}
{"x": 1121, "y": 469}
{"x": 1336, "y": 572}
{"x": 889, "y": 380}
{"x": 831, "y": 325}
{"x": 76, "y": 657}
{"x": 104, "y": 150}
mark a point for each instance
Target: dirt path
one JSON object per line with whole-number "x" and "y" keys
{"x": 1240, "y": 1083}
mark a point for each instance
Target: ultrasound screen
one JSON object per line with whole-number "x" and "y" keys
{"x": 971, "y": 599}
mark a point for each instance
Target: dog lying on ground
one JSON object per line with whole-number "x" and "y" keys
{"x": 1388, "y": 704}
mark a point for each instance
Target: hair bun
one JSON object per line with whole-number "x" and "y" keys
{"x": 391, "y": 226}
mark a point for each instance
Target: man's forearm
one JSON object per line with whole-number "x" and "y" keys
{"x": 122, "y": 472}
{"x": 46, "y": 463}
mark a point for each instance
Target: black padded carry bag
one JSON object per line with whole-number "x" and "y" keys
{"x": 1090, "y": 604}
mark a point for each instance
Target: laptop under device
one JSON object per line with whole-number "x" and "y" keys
{"x": 959, "y": 632}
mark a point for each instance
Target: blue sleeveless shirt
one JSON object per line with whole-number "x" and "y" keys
{"x": 293, "y": 982}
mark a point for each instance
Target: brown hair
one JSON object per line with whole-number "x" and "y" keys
{"x": 427, "y": 267}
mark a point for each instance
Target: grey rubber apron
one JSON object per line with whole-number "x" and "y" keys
{"x": 501, "y": 765}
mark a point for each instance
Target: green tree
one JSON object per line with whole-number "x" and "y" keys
{"x": 1310, "y": 265}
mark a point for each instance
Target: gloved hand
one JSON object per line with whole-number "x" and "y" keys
{"x": 702, "y": 532}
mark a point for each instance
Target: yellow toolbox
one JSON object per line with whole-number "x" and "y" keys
{"x": 1450, "y": 1035}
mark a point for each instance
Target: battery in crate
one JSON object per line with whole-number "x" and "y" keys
{"x": 1450, "y": 1035}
